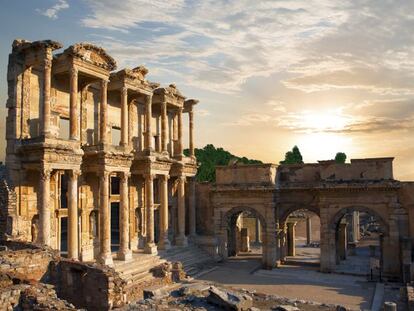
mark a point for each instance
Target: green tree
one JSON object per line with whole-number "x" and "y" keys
{"x": 209, "y": 157}
{"x": 293, "y": 157}
{"x": 340, "y": 157}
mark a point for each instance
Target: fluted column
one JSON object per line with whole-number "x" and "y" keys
{"x": 150, "y": 247}
{"x": 124, "y": 116}
{"x": 164, "y": 125}
{"x": 181, "y": 239}
{"x": 180, "y": 131}
{"x": 191, "y": 131}
{"x": 148, "y": 124}
{"x": 47, "y": 80}
{"x": 104, "y": 113}
{"x": 124, "y": 252}
{"x": 73, "y": 232}
{"x": 192, "y": 208}
{"x": 44, "y": 207}
{"x": 73, "y": 107}
{"x": 164, "y": 242}
{"x": 105, "y": 256}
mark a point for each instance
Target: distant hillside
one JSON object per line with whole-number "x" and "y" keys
{"x": 210, "y": 156}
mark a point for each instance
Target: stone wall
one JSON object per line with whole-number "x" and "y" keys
{"x": 246, "y": 174}
{"x": 204, "y": 210}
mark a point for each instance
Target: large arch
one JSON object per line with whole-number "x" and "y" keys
{"x": 225, "y": 221}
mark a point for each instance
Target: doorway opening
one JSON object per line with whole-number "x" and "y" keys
{"x": 63, "y": 234}
{"x": 114, "y": 226}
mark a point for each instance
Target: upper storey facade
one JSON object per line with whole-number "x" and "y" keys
{"x": 76, "y": 102}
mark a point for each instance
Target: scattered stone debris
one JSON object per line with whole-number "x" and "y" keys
{"x": 202, "y": 296}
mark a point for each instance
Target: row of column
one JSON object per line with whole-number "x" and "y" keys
{"x": 45, "y": 211}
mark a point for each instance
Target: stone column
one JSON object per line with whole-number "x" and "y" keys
{"x": 44, "y": 207}
{"x": 342, "y": 243}
{"x": 73, "y": 225}
{"x": 73, "y": 107}
{"x": 257, "y": 230}
{"x": 25, "y": 108}
{"x": 291, "y": 238}
{"x": 164, "y": 243}
{"x": 308, "y": 230}
{"x": 180, "y": 132}
{"x": 124, "y": 116}
{"x": 355, "y": 227}
{"x": 192, "y": 208}
{"x": 148, "y": 124}
{"x": 47, "y": 80}
{"x": 164, "y": 125}
{"x": 181, "y": 239}
{"x": 105, "y": 256}
{"x": 150, "y": 247}
{"x": 191, "y": 131}
{"x": 124, "y": 252}
{"x": 104, "y": 113}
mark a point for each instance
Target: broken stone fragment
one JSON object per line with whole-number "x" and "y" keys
{"x": 229, "y": 300}
{"x": 155, "y": 292}
{"x": 286, "y": 308}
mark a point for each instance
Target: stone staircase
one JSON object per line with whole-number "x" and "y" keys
{"x": 194, "y": 259}
{"x": 138, "y": 270}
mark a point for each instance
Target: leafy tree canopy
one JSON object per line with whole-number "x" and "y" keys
{"x": 340, "y": 157}
{"x": 293, "y": 157}
{"x": 209, "y": 157}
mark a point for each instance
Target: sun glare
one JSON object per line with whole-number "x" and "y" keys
{"x": 313, "y": 122}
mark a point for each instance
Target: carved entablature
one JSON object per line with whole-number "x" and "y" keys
{"x": 133, "y": 79}
{"x": 91, "y": 54}
{"x": 189, "y": 104}
{"x": 37, "y": 52}
{"x": 169, "y": 94}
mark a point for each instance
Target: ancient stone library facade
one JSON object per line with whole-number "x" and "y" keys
{"x": 94, "y": 155}
{"x": 95, "y": 168}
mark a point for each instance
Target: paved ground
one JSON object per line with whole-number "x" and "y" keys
{"x": 293, "y": 282}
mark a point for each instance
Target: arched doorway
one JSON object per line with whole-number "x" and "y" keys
{"x": 299, "y": 238}
{"x": 359, "y": 235}
{"x": 231, "y": 234}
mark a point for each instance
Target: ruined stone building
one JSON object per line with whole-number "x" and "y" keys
{"x": 95, "y": 156}
{"x": 95, "y": 168}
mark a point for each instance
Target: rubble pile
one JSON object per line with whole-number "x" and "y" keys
{"x": 202, "y": 296}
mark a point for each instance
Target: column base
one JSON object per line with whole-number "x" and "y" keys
{"x": 106, "y": 259}
{"x": 181, "y": 241}
{"x": 150, "y": 248}
{"x": 134, "y": 244}
{"x": 124, "y": 255}
{"x": 164, "y": 244}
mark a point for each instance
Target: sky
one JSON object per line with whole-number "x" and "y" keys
{"x": 326, "y": 75}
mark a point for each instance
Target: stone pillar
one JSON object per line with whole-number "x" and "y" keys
{"x": 150, "y": 247}
{"x": 257, "y": 230}
{"x": 148, "y": 124}
{"x": 245, "y": 242}
{"x": 124, "y": 252}
{"x": 73, "y": 218}
{"x": 191, "y": 131}
{"x": 192, "y": 208}
{"x": 342, "y": 241}
{"x": 104, "y": 113}
{"x": 105, "y": 256}
{"x": 180, "y": 132}
{"x": 164, "y": 125}
{"x": 308, "y": 230}
{"x": 181, "y": 239}
{"x": 73, "y": 106}
{"x": 164, "y": 243}
{"x": 291, "y": 238}
{"x": 124, "y": 117}
{"x": 47, "y": 80}
{"x": 44, "y": 207}
{"x": 355, "y": 227}
{"x": 25, "y": 109}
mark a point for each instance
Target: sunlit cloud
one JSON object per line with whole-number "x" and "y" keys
{"x": 53, "y": 11}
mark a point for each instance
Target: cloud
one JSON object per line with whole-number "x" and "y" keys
{"x": 53, "y": 11}
{"x": 250, "y": 119}
{"x": 215, "y": 45}
{"x": 202, "y": 112}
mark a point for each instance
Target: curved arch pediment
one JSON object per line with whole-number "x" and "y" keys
{"x": 92, "y": 54}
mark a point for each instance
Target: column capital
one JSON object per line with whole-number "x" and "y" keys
{"x": 164, "y": 177}
{"x": 74, "y": 70}
{"x": 45, "y": 174}
{"x": 124, "y": 176}
{"x": 104, "y": 83}
{"x": 124, "y": 91}
{"x": 149, "y": 176}
{"x": 75, "y": 173}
